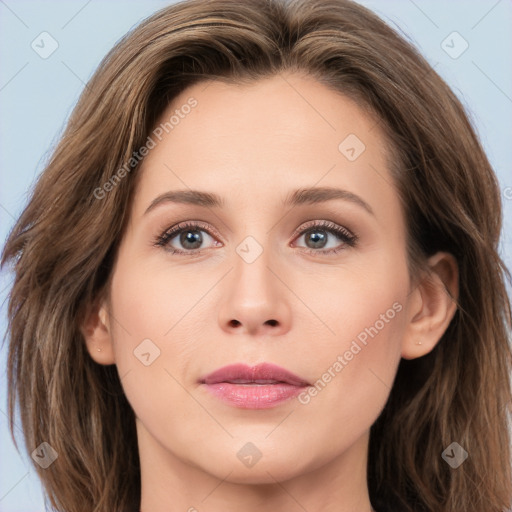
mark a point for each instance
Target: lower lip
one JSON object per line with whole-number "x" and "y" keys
{"x": 254, "y": 396}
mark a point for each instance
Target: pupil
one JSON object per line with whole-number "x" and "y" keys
{"x": 191, "y": 237}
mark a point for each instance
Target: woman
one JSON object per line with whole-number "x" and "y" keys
{"x": 335, "y": 338}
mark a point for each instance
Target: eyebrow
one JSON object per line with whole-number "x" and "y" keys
{"x": 296, "y": 198}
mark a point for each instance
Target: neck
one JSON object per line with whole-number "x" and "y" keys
{"x": 171, "y": 483}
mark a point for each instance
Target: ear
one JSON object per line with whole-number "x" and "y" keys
{"x": 432, "y": 306}
{"x": 95, "y": 329}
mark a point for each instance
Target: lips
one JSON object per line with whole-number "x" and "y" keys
{"x": 263, "y": 386}
{"x": 261, "y": 374}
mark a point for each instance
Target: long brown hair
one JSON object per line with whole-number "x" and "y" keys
{"x": 63, "y": 245}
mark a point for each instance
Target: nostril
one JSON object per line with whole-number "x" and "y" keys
{"x": 234, "y": 323}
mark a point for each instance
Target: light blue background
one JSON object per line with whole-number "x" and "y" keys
{"x": 37, "y": 95}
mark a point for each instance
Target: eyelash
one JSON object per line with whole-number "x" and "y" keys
{"x": 346, "y": 236}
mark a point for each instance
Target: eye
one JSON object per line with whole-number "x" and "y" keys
{"x": 188, "y": 234}
{"x": 316, "y": 235}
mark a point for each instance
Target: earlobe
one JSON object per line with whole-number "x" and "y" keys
{"x": 95, "y": 329}
{"x": 432, "y": 306}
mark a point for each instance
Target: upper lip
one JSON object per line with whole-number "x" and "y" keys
{"x": 235, "y": 373}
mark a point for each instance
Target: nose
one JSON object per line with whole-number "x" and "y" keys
{"x": 255, "y": 299}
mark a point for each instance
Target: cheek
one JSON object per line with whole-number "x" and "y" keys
{"x": 360, "y": 353}
{"x": 152, "y": 351}
{"x": 146, "y": 315}
{"x": 149, "y": 302}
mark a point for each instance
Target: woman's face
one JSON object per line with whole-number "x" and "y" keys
{"x": 273, "y": 281}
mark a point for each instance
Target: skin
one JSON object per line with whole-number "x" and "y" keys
{"x": 253, "y": 145}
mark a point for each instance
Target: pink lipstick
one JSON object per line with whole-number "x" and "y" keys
{"x": 259, "y": 387}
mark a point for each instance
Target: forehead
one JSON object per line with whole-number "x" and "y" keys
{"x": 252, "y": 143}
